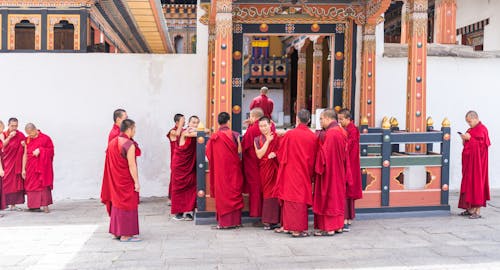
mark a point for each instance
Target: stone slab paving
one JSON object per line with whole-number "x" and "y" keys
{"x": 74, "y": 236}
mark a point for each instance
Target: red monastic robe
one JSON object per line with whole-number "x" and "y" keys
{"x": 2, "y": 195}
{"x": 118, "y": 188}
{"x": 173, "y": 145}
{"x": 268, "y": 167}
{"x": 297, "y": 156}
{"x": 115, "y": 131}
{"x": 263, "y": 102}
{"x": 12, "y": 161}
{"x": 226, "y": 179}
{"x": 183, "y": 179}
{"x": 251, "y": 172}
{"x": 330, "y": 184}
{"x": 39, "y": 170}
{"x": 475, "y": 189}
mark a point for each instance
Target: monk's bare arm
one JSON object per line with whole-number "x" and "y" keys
{"x": 7, "y": 140}
{"x": 2, "y": 173}
{"x": 239, "y": 146}
{"x": 2, "y": 138}
{"x": 25, "y": 160}
{"x": 261, "y": 152}
{"x": 132, "y": 166}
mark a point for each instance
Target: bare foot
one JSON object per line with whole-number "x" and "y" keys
{"x": 46, "y": 209}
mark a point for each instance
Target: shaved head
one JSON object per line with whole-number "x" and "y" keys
{"x": 30, "y": 126}
{"x": 256, "y": 113}
{"x": 264, "y": 90}
{"x": 472, "y": 114}
{"x": 330, "y": 114}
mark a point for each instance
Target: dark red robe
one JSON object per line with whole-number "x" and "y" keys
{"x": 12, "y": 161}
{"x": 354, "y": 185}
{"x": 115, "y": 131}
{"x": 330, "y": 183}
{"x": 297, "y": 156}
{"x": 475, "y": 188}
{"x": 173, "y": 145}
{"x": 39, "y": 180}
{"x": 118, "y": 188}
{"x": 2, "y": 195}
{"x": 183, "y": 179}
{"x": 263, "y": 102}
{"x": 268, "y": 168}
{"x": 226, "y": 179}
{"x": 251, "y": 172}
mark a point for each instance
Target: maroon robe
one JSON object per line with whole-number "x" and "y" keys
{"x": 268, "y": 168}
{"x": 330, "y": 184}
{"x": 173, "y": 145}
{"x": 251, "y": 172}
{"x": 115, "y": 131}
{"x": 354, "y": 185}
{"x": 475, "y": 189}
{"x": 12, "y": 161}
{"x": 183, "y": 179}
{"x": 2, "y": 195}
{"x": 39, "y": 180}
{"x": 118, "y": 189}
{"x": 226, "y": 180}
{"x": 297, "y": 156}
{"x": 263, "y": 102}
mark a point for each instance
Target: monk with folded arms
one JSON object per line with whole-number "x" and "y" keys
{"x": 12, "y": 160}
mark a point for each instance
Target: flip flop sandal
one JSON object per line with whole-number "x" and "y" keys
{"x": 465, "y": 213}
{"x": 217, "y": 227}
{"x": 323, "y": 233}
{"x": 132, "y": 239}
{"x": 280, "y": 230}
{"x": 300, "y": 235}
{"x": 475, "y": 216}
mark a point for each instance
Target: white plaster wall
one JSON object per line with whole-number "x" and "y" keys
{"x": 275, "y": 94}
{"x": 71, "y": 97}
{"x": 454, "y": 86}
{"x": 469, "y": 12}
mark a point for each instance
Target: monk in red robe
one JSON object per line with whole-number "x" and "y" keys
{"x": 2, "y": 172}
{"x": 296, "y": 155}
{"x": 38, "y": 172}
{"x": 12, "y": 160}
{"x": 118, "y": 116}
{"x": 330, "y": 182}
{"x": 226, "y": 180}
{"x": 264, "y": 102}
{"x": 173, "y": 137}
{"x": 266, "y": 146}
{"x": 475, "y": 188}
{"x": 183, "y": 196}
{"x": 354, "y": 185}
{"x": 120, "y": 185}
{"x": 251, "y": 173}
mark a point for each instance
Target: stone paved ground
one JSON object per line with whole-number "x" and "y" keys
{"x": 74, "y": 236}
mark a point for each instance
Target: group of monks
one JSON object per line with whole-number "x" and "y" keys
{"x": 285, "y": 174}
{"x": 25, "y": 168}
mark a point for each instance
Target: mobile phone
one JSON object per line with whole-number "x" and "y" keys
{"x": 459, "y": 133}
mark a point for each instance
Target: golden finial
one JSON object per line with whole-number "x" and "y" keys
{"x": 385, "y": 119}
{"x": 446, "y": 122}
{"x": 364, "y": 121}
{"x": 394, "y": 122}
{"x": 386, "y": 124}
{"x": 430, "y": 121}
{"x": 201, "y": 127}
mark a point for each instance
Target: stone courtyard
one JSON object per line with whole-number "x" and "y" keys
{"x": 74, "y": 236}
